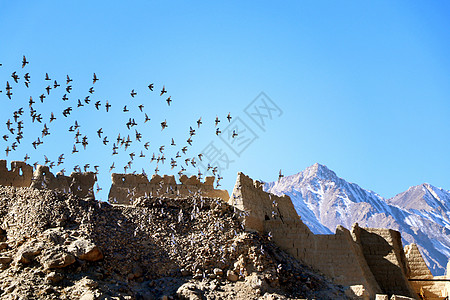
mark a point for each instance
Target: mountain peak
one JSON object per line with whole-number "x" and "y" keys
{"x": 320, "y": 171}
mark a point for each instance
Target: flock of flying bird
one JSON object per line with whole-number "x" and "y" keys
{"x": 15, "y": 127}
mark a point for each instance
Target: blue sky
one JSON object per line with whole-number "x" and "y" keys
{"x": 363, "y": 87}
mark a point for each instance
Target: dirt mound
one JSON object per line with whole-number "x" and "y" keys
{"x": 58, "y": 246}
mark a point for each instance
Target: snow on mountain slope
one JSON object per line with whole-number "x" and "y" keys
{"x": 323, "y": 201}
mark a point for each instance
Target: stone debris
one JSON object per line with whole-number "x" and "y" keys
{"x": 56, "y": 245}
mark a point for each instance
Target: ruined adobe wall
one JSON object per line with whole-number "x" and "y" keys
{"x": 22, "y": 175}
{"x": 338, "y": 256}
{"x": 126, "y": 187}
{"x": 383, "y": 251}
{"x": 422, "y": 280}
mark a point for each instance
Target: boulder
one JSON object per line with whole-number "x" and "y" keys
{"x": 85, "y": 250}
{"x": 53, "y": 278}
{"x": 57, "y": 259}
{"x": 28, "y": 251}
{"x": 231, "y": 276}
{"x": 189, "y": 291}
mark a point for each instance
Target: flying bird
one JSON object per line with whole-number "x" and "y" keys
{"x": 163, "y": 91}
{"x": 95, "y": 79}
{"x": 133, "y": 93}
{"x": 280, "y": 175}
{"x": 15, "y": 77}
{"x": 24, "y": 62}
{"x": 163, "y": 125}
{"x": 150, "y": 87}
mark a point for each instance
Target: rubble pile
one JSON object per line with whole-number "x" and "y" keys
{"x": 55, "y": 245}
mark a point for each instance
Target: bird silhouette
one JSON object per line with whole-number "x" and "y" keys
{"x": 280, "y": 175}
{"x": 163, "y": 91}
{"x": 107, "y": 106}
{"x": 163, "y": 125}
{"x": 15, "y": 77}
{"x": 24, "y": 62}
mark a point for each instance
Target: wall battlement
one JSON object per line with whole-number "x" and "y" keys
{"x": 22, "y": 175}
{"x": 126, "y": 187}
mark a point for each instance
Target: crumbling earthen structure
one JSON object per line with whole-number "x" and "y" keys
{"x": 22, "y": 175}
{"x": 424, "y": 283}
{"x": 369, "y": 260}
{"x": 126, "y": 187}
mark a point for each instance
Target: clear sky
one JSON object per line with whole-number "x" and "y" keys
{"x": 361, "y": 87}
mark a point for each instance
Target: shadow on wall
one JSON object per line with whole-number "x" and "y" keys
{"x": 383, "y": 251}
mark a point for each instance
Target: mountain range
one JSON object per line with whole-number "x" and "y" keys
{"x": 323, "y": 201}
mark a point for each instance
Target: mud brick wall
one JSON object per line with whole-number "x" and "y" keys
{"x": 338, "y": 256}
{"x": 384, "y": 254}
{"x": 126, "y": 187}
{"x": 431, "y": 290}
{"x": 20, "y": 174}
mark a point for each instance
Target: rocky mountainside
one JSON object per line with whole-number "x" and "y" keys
{"x": 324, "y": 201}
{"x": 58, "y": 246}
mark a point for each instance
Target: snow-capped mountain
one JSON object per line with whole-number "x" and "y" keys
{"x": 323, "y": 201}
